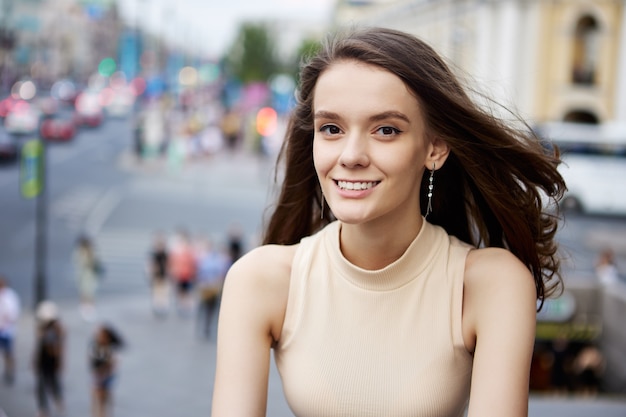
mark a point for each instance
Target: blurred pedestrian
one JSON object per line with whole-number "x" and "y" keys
{"x": 231, "y": 128}
{"x": 9, "y": 315}
{"x": 560, "y": 376}
{"x": 159, "y": 281}
{"x": 606, "y": 268}
{"x": 235, "y": 242}
{"x": 88, "y": 271}
{"x": 182, "y": 269}
{"x": 212, "y": 266}
{"x": 48, "y": 358}
{"x": 138, "y": 135}
{"x": 103, "y": 365}
{"x": 589, "y": 366}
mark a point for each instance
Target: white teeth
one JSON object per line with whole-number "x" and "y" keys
{"x": 347, "y": 185}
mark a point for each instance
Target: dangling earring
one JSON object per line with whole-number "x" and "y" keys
{"x": 322, "y": 207}
{"x": 429, "y": 208}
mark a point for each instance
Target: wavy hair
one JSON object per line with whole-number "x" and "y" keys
{"x": 494, "y": 188}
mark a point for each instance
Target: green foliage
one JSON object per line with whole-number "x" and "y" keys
{"x": 307, "y": 48}
{"x": 251, "y": 58}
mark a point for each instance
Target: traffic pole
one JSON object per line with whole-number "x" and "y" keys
{"x": 33, "y": 185}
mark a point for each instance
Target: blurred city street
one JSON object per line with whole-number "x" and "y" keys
{"x": 167, "y": 367}
{"x": 123, "y": 120}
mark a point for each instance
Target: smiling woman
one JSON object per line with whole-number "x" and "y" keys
{"x": 371, "y": 307}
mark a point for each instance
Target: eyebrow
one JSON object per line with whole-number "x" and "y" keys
{"x": 376, "y": 117}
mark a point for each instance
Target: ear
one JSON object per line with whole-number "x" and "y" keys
{"x": 438, "y": 151}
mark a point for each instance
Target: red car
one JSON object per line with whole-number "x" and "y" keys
{"x": 57, "y": 128}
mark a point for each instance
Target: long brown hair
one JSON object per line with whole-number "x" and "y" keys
{"x": 492, "y": 190}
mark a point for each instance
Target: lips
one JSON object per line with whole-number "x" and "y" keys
{"x": 356, "y": 185}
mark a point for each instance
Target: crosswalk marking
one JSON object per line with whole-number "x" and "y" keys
{"x": 74, "y": 206}
{"x": 124, "y": 254}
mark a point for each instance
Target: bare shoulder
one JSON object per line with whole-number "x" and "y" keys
{"x": 498, "y": 288}
{"x": 496, "y": 269}
{"x": 257, "y": 285}
{"x": 267, "y": 265}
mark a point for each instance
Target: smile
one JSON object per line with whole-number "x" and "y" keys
{"x": 357, "y": 185}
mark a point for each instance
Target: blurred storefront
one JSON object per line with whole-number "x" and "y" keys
{"x": 580, "y": 341}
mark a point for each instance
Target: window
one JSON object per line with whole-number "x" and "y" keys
{"x": 586, "y": 40}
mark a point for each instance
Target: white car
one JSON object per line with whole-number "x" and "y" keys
{"x": 23, "y": 119}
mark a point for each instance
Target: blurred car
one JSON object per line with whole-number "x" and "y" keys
{"x": 22, "y": 119}
{"x": 58, "y": 128}
{"x": 118, "y": 103}
{"x": 88, "y": 110}
{"x": 9, "y": 148}
{"x": 6, "y": 104}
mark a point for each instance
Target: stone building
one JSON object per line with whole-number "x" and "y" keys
{"x": 57, "y": 38}
{"x": 551, "y": 60}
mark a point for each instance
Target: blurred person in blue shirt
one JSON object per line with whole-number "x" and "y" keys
{"x": 9, "y": 314}
{"x": 211, "y": 271}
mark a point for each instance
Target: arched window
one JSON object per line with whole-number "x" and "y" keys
{"x": 581, "y": 116}
{"x": 586, "y": 45}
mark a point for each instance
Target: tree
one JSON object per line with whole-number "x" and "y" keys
{"x": 308, "y": 47}
{"x": 251, "y": 57}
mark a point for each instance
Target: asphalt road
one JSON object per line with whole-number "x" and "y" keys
{"x": 96, "y": 186}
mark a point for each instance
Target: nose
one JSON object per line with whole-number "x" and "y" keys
{"x": 355, "y": 151}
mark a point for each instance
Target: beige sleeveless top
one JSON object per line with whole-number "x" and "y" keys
{"x": 376, "y": 343}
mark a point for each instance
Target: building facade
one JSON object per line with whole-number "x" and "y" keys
{"x": 53, "y": 39}
{"x": 549, "y": 60}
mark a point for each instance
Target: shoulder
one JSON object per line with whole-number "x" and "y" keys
{"x": 263, "y": 265}
{"x": 496, "y": 268}
{"x": 257, "y": 286}
{"x": 499, "y": 290}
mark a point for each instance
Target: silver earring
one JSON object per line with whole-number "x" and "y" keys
{"x": 429, "y": 208}
{"x": 322, "y": 207}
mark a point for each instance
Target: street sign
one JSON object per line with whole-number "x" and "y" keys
{"x": 32, "y": 168}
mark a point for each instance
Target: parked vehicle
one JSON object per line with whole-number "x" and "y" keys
{"x": 9, "y": 148}
{"x": 58, "y": 128}
{"x": 22, "y": 119}
{"x": 594, "y": 165}
{"x": 6, "y": 104}
{"x": 88, "y": 109}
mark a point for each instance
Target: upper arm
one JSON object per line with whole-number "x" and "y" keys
{"x": 251, "y": 315}
{"x": 500, "y": 313}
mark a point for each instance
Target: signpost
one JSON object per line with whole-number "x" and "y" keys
{"x": 32, "y": 184}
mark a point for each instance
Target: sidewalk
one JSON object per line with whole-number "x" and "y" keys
{"x": 167, "y": 369}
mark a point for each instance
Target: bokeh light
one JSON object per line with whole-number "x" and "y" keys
{"x": 107, "y": 67}
{"x": 188, "y": 76}
{"x": 266, "y": 121}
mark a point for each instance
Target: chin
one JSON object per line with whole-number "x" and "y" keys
{"x": 352, "y": 218}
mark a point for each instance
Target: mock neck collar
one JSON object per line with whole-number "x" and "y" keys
{"x": 398, "y": 273}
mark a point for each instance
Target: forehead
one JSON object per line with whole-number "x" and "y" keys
{"x": 355, "y": 83}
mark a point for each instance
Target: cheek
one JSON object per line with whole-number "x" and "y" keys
{"x": 320, "y": 159}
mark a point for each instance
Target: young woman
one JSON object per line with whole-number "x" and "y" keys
{"x": 403, "y": 262}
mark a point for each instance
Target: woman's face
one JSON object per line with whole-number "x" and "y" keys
{"x": 369, "y": 146}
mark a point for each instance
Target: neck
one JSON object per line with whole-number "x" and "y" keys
{"x": 372, "y": 248}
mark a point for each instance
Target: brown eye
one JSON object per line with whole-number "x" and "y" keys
{"x": 388, "y": 131}
{"x": 330, "y": 129}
